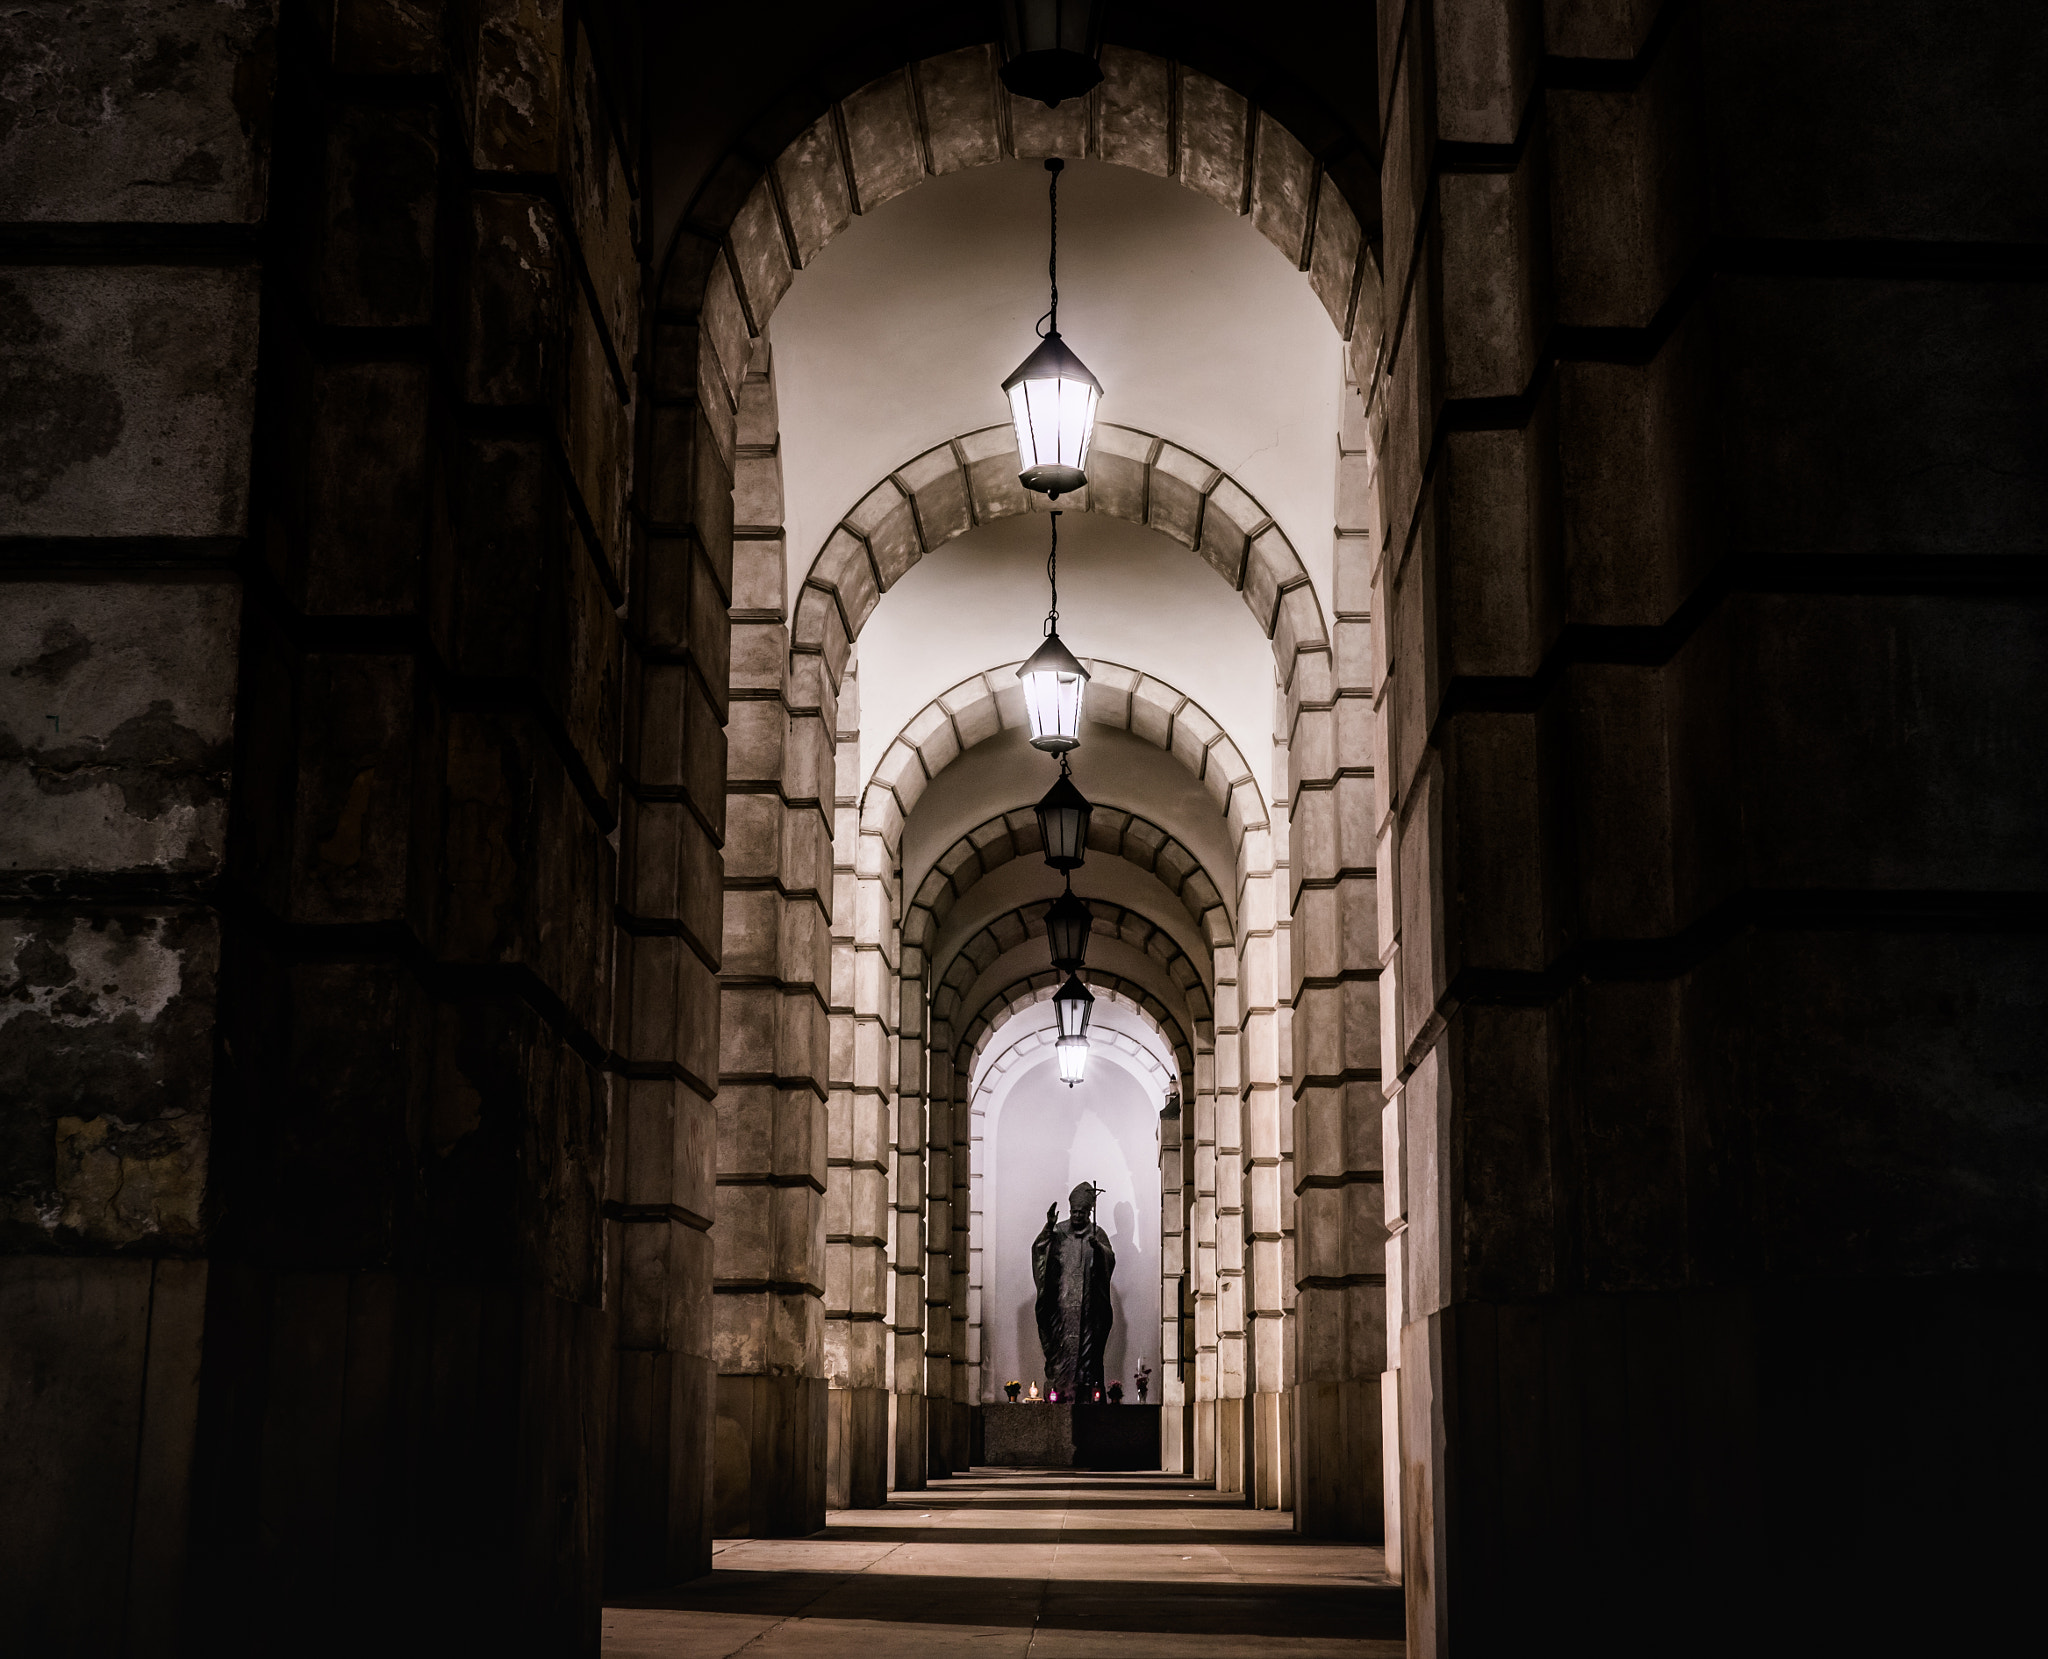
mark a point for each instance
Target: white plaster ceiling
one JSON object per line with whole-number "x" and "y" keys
{"x": 899, "y": 334}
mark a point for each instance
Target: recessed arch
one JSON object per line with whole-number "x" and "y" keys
{"x": 1119, "y": 697}
{"x": 1002, "y": 1062}
{"x": 1136, "y": 476}
{"x": 957, "y": 974}
{"x": 757, "y": 222}
{"x": 1113, "y": 832}
{"x": 1032, "y": 988}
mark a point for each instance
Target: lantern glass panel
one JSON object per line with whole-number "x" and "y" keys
{"x": 1052, "y": 406}
{"x": 1054, "y": 685}
{"x": 1073, "y": 1005}
{"x": 1063, "y": 816}
{"x": 1073, "y": 1053}
{"x": 1067, "y": 926}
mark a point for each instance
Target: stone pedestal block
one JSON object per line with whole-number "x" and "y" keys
{"x": 1048, "y": 1436}
{"x": 1338, "y": 1437}
{"x": 857, "y": 1448}
{"x": 768, "y": 1472}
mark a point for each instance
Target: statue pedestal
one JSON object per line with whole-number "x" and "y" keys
{"x": 1070, "y": 1436}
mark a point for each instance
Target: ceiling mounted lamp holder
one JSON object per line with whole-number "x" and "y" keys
{"x": 1063, "y": 813}
{"x": 1068, "y": 922}
{"x": 1053, "y": 676}
{"x": 1052, "y": 49}
{"x": 1052, "y": 395}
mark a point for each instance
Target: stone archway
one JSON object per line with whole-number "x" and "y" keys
{"x": 713, "y": 485}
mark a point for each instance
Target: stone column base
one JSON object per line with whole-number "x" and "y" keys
{"x": 768, "y": 1475}
{"x": 1271, "y": 1483}
{"x": 1342, "y": 1460}
{"x": 856, "y": 1448}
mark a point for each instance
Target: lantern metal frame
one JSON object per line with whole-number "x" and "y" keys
{"x": 1055, "y": 680}
{"x": 1052, "y": 395}
{"x": 1068, "y": 924}
{"x": 1072, "y": 1005}
{"x": 1063, "y": 813}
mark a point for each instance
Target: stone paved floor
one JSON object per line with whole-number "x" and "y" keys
{"x": 1052, "y": 1565}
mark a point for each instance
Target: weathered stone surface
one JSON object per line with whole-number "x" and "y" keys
{"x": 348, "y": 529}
{"x": 375, "y": 267}
{"x": 509, "y": 54}
{"x": 602, "y": 206}
{"x": 106, "y": 1064}
{"x": 957, "y": 95}
{"x": 385, "y": 37}
{"x": 116, "y": 710}
{"x": 157, "y": 111}
{"x": 512, "y": 349}
{"x": 125, "y": 400}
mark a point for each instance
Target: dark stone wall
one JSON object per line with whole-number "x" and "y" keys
{"x": 321, "y": 344}
{"x": 1711, "y": 601}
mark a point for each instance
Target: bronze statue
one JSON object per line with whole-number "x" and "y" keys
{"x": 1071, "y": 1262}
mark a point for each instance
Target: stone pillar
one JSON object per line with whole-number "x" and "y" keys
{"x": 1232, "y": 1442}
{"x": 1202, "y": 1233}
{"x": 1346, "y": 1483}
{"x": 938, "y": 1269}
{"x": 1170, "y": 1385}
{"x": 769, "y": 1457}
{"x": 857, "y": 1189}
{"x": 1715, "y": 996}
{"x": 963, "y": 1400}
{"x": 910, "y": 1451}
{"x": 1267, "y": 1201}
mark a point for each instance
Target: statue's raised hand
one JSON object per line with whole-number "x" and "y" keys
{"x": 1052, "y": 1214}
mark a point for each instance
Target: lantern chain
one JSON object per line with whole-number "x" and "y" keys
{"x": 1050, "y": 322}
{"x": 1052, "y": 576}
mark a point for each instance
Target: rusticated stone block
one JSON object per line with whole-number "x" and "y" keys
{"x": 1131, "y": 109}
{"x": 1333, "y": 263}
{"x": 331, "y": 1158}
{"x": 601, "y": 206}
{"x": 106, "y": 1037}
{"x": 116, "y": 707}
{"x": 814, "y": 188}
{"x": 352, "y": 816}
{"x": 1627, "y": 194}
{"x": 1875, "y": 742}
{"x": 1283, "y": 179}
{"x": 384, "y": 37}
{"x": 351, "y": 527}
{"x": 127, "y": 112}
{"x": 1214, "y": 135}
{"x": 1495, "y": 279}
{"x": 1486, "y": 57}
{"x": 512, "y": 323}
{"x": 375, "y": 266}
{"x": 509, "y": 55}
{"x": 130, "y": 391}
{"x": 597, "y": 431}
{"x": 1906, "y": 122}
{"x": 1502, "y": 600}
{"x": 566, "y": 1120}
{"x": 957, "y": 96}
{"x": 1919, "y": 402}
{"x": 881, "y": 136}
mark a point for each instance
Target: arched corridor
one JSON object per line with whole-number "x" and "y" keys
{"x": 1030, "y": 1565}
{"x": 548, "y": 1042}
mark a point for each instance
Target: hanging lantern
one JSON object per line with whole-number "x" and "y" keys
{"x": 1052, "y": 405}
{"x": 1063, "y": 823}
{"x": 1052, "y": 395}
{"x": 1067, "y": 925}
{"x": 1052, "y": 48}
{"x": 1073, "y": 1004}
{"x": 1073, "y": 1053}
{"x": 1053, "y": 680}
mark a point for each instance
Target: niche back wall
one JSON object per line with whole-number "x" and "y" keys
{"x": 1042, "y": 1138}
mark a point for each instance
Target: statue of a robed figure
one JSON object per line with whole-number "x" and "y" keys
{"x": 1071, "y": 1262}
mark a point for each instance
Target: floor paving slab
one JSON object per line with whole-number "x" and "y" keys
{"x": 1038, "y": 1565}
